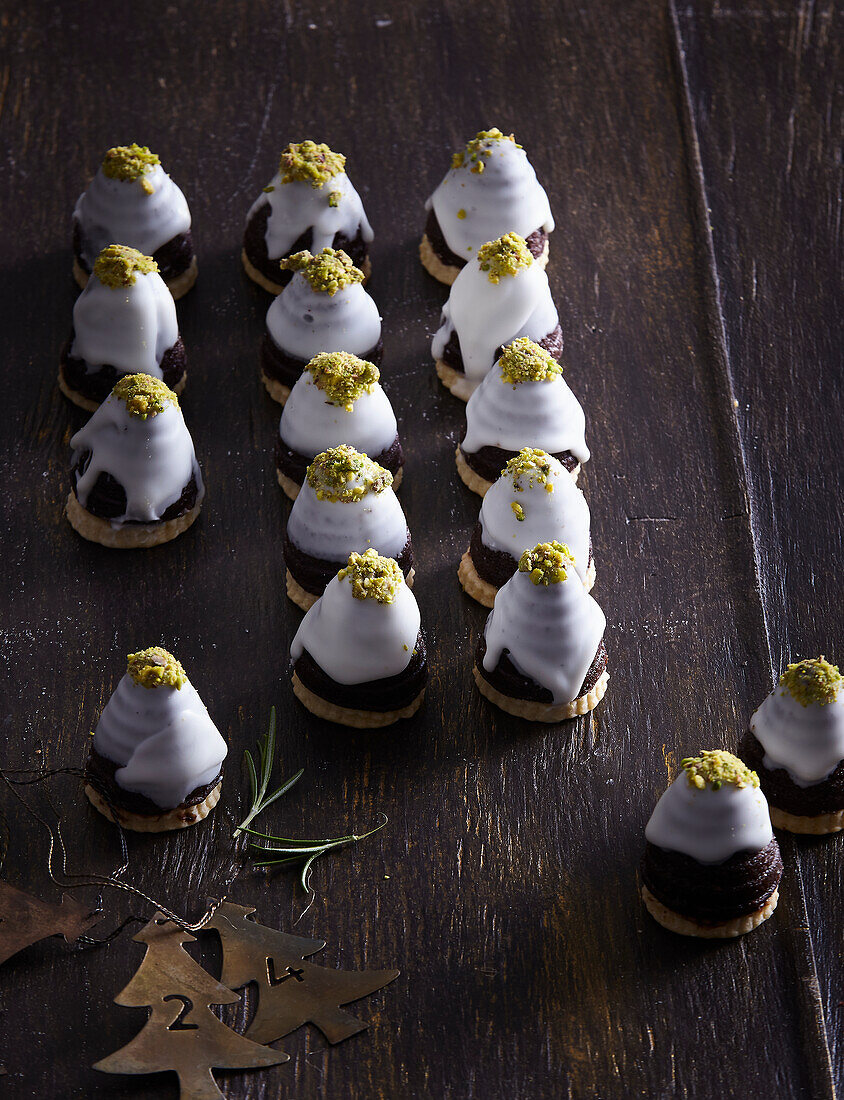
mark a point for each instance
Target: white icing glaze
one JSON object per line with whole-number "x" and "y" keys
{"x": 545, "y": 415}
{"x": 807, "y": 741}
{"x": 296, "y": 206}
{"x": 552, "y": 632}
{"x": 562, "y": 515}
{"x": 333, "y": 529}
{"x": 506, "y": 197}
{"x": 163, "y": 738}
{"x": 486, "y": 315}
{"x": 129, "y": 327}
{"x": 708, "y": 825}
{"x": 310, "y": 424}
{"x": 114, "y": 211}
{"x": 356, "y": 641}
{"x": 304, "y": 322}
{"x": 153, "y": 459}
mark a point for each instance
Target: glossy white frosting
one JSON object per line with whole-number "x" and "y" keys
{"x": 487, "y": 315}
{"x": 163, "y": 738}
{"x": 506, "y": 197}
{"x": 153, "y": 459}
{"x": 115, "y": 211}
{"x": 552, "y": 632}
{"x": 129, "y": 327}
{"x": 356, "y": 641}
{"x": 545, "y": 415}
{"x": 562, "y": 515}
{"x": 807, "y": 741}
{"x": 333, "y": 529}
{"x": 297, "y": 206}
{"x": 310, "y": 424}
{"x": 303, "y": 322}
{"x": 708, "y": 825}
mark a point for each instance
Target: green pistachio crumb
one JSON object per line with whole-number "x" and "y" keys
{"x": 528, "y": 468}
{"x": 479, "y": 147}
{"x": 814, "y": 680}
{"x": 461, "y": 214}
{"x": 518, "y": 511}
{"x": 327, "y": 272}
{"x": 342, "y": 377}
{"x": 143, "y": 395}
{"x": 334, "y": 198}
{"x": 546, "y": 563}
{"x": 117, "y": 264}
{"x": 307, "y": 162}
{"x": 525, "y": 361}
{"x": 506, "y": 256}
{"x": 372, "y": 576}
{"x": 268, "y": 189}
{"x": 155, "y": 667}
{"x": 716, "y": 767}
{"x": 331, "y": 473}
{"x": 130, "y": 162}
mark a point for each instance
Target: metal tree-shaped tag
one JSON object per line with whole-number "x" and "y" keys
{"x": 25, "y": 919}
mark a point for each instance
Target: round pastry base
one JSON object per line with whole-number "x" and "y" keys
{"x": 136, "y": 536}
{"x": 306, "y": 600}
{"x": 456, "y": 381}
{"x": 291, "y": 489}
{"x": 276, "y": 288}
{"x": 180, "y": 818}
{"x": 92, "y": 406}
{"x": 726, "y": 930}
{"x": 479, "y": 484}
{"x": 178, "y": 287}
{"x": 447, "y": 273}
{"x": 475, "y": 586}
{"x": 344, "y": 716}
{"x": 820, "y": 825}
{"x": 543, "y": 712}
{"x": 277, "y": 390}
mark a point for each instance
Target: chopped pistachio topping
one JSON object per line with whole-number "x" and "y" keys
{"x": 143, "y": 395}
{"x": 331, "y": 474}
{"x": 343, "y": 377}
{"x": 716, "y": 767}
{"x": 334, "y": 198}
{"x": 518, "y": 510}
{"x": 525, "y": 361}
{"x": 530, "y": 464}
{"x": 461, "y": 213}
{"x": 117, "y": 264}
{"x": 327, "y": 272}
{"x": 372, "y": 576}
{"x": 477, "y": 150}
{"x": 130, "y": 162}
{"x": 814, "y": 680}
{"x": 546, "y": 563}
{"x": 506, "y": 256}
{"x": 307, "y": 162}
{"x": 155, "y": 667}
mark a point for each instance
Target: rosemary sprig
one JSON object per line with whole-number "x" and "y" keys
{"x": 258, "y": 794}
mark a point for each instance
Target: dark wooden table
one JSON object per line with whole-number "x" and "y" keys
{"x": 690, "y": 156}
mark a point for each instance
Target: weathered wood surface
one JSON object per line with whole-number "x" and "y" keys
{"x": 528, "y": 965}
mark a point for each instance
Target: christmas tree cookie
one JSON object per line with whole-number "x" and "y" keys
{"x": 124, "y": 322}
{"x": 156, "y": 757}
{"x": 135, "y": 481}
{"x": 309, "y": 204}
{"x": 796, "y": 744}
{"x": 337, "y": 399}
{"x": 500, "y": 295}
{"x": 490, "y": 190}
{"x": 132, "y": 201}
{"x": 359, "y": 654}
{"x": 346, "y": 503}
{"x": 541, "y": 655}
{"x": 323, "y": 308}
{"x": 711, "y": 866}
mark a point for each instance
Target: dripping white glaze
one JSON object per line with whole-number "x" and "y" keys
{"x": 129, "y": 327}
{"x": 297, "y": 206}
{"x": 162, "y": 738}
{"x": 357, "y": 641}
{"x": 310, "y": 424}
{"x": 708, "y": 825}
{"x": 153, "y": 459}
{"x": 115, "y": 211}
{"x": 303, "y": 322}
{"x": 506, "y": 197}
{"x": 807, "y": 741}
{"x": 333, "y": 529}
{"x": 561, "y": 515}
{"x": 552, "y": 632}
{"x": 487, "y": 315}
{"x": 546, "y": 415}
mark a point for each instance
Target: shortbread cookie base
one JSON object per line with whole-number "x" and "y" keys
{"x": 447, "y": 273}
{"x": 456, "y": 381}
{"x": 178, "y": 287}
{"x": 306, "y": 600}
{"x": 344, "y": 716}
{"x": 533, "y": 711}
{"x": 180, "y": 818}
{"x": 79, "y": 275}
{"x": 291, "y": 489}
{"x": 276, "y": 288}
{"x": 136, "y": 536}
{"x": 277, "y": 390}
{"x": 479, "y": 484}
{"x": 684, "y": 926}
{"x": 820, "y": 825}
{"x": 92, "y": 406}
{"x": 475, "y": 586}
